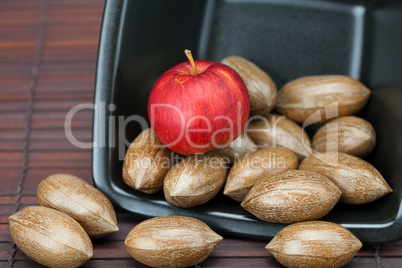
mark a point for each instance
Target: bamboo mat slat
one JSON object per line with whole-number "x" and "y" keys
{"x": 48, "y": 53}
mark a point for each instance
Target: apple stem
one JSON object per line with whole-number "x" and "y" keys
{"x": 190, "y": 58}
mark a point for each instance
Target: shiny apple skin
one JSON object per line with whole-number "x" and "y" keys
{"x": 193, "y": 114}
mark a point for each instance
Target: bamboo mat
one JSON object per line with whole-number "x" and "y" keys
{"x": 48, "y": 51}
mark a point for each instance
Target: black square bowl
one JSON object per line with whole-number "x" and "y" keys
{"x": 140, "y": 39}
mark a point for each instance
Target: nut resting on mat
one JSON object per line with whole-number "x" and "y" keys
{"x": 77, "y": 198}
{"x": 171, "y": 241}
{"x": 50, "y": 237}
{"x": 314, "y": 244}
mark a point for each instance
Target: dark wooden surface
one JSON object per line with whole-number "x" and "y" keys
{"x": 48, "y": 52}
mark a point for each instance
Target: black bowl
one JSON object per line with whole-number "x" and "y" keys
{"x": 141, "y": 39}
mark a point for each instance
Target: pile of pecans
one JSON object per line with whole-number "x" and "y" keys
{"x": 273, "y": 168}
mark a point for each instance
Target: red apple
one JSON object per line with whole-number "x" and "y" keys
{"x": 197, "y": 106}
